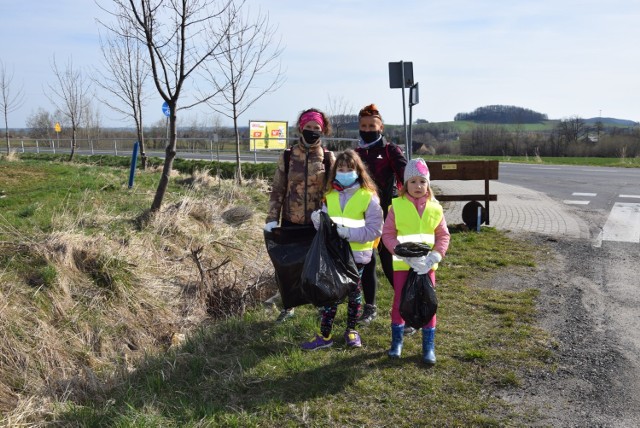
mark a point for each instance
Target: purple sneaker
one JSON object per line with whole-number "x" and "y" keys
{"x": 318, "y": 342}
{"x": 352, "y": 338}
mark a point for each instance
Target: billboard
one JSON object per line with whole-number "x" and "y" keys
{"x": 267, "y": 134}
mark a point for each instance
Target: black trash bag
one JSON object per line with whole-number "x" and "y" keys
{"x": 418, "y": 303}
{"x": 287, "y": 248}
{"x": 329, "y": 270}
{"x": 412, "y": 249}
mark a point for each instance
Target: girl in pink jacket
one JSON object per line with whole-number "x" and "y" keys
{"x": 415, "y": 216}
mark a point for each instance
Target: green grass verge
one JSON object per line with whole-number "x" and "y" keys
{"x": 250, "y": 371}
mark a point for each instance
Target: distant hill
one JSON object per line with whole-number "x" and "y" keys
{"x": 502, "y": 114}
{"x": 611, "y": 121}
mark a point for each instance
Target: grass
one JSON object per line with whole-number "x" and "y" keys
{"x": 92, "y": 305}
{"x": 250, "y": 371}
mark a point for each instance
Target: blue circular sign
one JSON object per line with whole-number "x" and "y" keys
{"x": 165, "y": 109}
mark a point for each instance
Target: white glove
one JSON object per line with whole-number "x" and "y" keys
{"x": 269, "y": 226}
{"x": 343, "y": 232}
{"x": 315, "y": 218}
{"x": 418, "y": 264}
{"x": 431, "y": 259}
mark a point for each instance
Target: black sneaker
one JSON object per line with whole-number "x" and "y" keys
{"x": 369, "y": 313}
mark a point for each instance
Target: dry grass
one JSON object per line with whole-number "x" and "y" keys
{"x": 79, "y": 310}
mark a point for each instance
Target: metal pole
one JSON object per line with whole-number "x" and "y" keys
{"x": 134, "y": 160}
{"x": 410, "y": 144}
{"x": 255, "y": 152}
{"x": 404, "y": 115}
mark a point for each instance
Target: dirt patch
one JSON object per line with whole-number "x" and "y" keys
{"x": 596, "y": 375}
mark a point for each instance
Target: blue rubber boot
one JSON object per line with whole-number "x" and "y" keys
{"x": 428, "y": 346}
{"x": 397, "y": 335}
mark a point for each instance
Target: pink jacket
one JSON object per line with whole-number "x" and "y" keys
{"x": 390, "y": 233}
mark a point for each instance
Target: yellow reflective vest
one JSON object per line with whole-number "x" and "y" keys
{"x": 353, "y": 214}
{"x": 413, "y": 228}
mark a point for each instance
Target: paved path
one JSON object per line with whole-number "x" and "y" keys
{"x": 517, "y": 209}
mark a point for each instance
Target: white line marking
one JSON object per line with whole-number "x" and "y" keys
{"x": 623, "y": 224}
{"x": 629, "y": 196}
{"x": 591, "y": 195}
{"x": 568, "y": 202}
{"x": 597, "y": 243}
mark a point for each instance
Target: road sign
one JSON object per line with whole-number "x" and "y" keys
{"x": 165, "y": 109}
{"x": 400, "y": 74}
{"x": 57, "y": 127}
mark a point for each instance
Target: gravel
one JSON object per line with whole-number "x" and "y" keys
{"x": 588, "y": 304}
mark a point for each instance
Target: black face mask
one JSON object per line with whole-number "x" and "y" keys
{"x": 369, "y": 136}
{"x": 310, "y": 137}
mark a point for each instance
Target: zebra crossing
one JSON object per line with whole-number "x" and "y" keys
{"x": 623, "y": 222}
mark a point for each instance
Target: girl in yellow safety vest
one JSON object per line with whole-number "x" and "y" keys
{"x": 415, "y": 216}
{"x": 353, "y": 205}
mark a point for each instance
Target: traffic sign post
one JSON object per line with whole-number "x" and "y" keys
{"x": 167, "y": 112}
{"x": 414, "y": 98}
{"x": 401, "y": 76}
{"x": 57, "y": 128}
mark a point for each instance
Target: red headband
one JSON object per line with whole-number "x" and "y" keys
{"x": 311, "y": 116}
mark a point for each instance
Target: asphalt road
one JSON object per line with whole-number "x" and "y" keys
{"x": 601, "y": 187}
{"x": 587, "y": 221}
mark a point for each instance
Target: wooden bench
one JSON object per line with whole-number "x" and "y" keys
{"x": 467, "y": 170}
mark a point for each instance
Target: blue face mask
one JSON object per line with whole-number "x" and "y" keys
{"x": 346, "y": 179}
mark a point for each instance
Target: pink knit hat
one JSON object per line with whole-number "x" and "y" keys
{"x": 416, "y": 168}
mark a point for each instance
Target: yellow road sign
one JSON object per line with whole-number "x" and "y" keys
{"x": 57, "y": 127}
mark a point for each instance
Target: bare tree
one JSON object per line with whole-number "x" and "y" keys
{"x": 249, "y": 52}
{"x": 70, "y": 95}
{"x": 571, "y": 131}
{"x": 341, "y": 115}
{"x": 91, "y": 121}
{"x": 9, "y": 101}
{"x": 123, "y": 55}
{"x": 40, "y": 124}
{"x": 176, "y": 34}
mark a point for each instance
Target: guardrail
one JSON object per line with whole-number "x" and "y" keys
{"x": 205, "y": 148}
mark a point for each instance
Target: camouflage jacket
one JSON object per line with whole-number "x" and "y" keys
{"x": 294, "y": 197}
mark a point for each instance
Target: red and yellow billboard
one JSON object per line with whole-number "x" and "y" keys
{"x": 266, "y": 134}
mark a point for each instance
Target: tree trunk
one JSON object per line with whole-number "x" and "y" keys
{"x": 73, "y": 143}
{"x": 6, "y": 131}
{"x": 170, "y": 154}
{"x": 238, "y": 165}
{"x": 143, "y": 153}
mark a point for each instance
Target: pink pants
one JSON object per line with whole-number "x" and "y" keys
{"x": 399, "y": 279}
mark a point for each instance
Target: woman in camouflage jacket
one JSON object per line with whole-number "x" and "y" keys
{"x": 298, "y": 188}
{"x": 299, "y": 182}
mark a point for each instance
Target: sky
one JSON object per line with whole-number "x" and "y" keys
{"x": 563, "y": 58}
